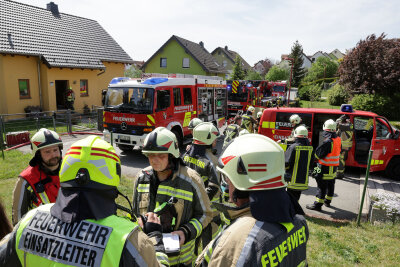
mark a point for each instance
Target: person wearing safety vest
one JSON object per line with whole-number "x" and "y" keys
{"x": 232, "y": 131}
{"x": 248, "y": 121}
{"x": 81, "y": 228}
{"x": 193, "y": 123}
{"x": 70, "y": 95}
{"x": 267, "y": 225}
{"x": 298, "y": 158}
{"x": 345, "y": 131}
{"x": 39, "y": 183}
{"x": 205, "y": 134}
{"x": 327, "y": 154}
{"x": 173, "y": 191}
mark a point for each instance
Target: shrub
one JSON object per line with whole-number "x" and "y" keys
{"x": 382, "y": 105}
{"x": 338, "y": 95}
{"x": 310, "y": 92}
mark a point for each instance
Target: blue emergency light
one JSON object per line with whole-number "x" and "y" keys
{"x": 229, "y": 87}
{"x": 153, "y": 81}
{"x": 119, "y": 79}
{"x": 346, "y": 108}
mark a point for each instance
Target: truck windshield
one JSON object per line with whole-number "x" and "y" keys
{"x": 279, "y": 88}
{"x": 240, "y": 96}
{"x": 133, "y": 100}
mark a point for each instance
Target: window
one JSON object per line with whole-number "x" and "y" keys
{"x": 382, "y": 131}
{"x": 177, "y": 97}
{"x": 24, "y": 91}
{"x": 283, "y": 123}
{"x": 187, "y": 96}
{"x": 163, "y": 99}
{"x": 163, "y": 62}
{"x": 185, "y": 63}
{"x": 224, "y": 63}
{"x": 84, "y": 88}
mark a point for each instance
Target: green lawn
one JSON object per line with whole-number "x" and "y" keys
{"x": 317, "y": 104}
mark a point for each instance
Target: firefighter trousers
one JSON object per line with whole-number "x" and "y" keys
{"x": 342, "y": 162}
{"x": 325, "y": 191}
{"x": 295, "y": 193}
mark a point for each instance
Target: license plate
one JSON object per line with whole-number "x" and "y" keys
{"x": 123, "y": 137}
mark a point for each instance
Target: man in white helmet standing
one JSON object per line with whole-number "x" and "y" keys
{"x": 327, "y": 154}
{"x": 39, "y": 183}
{"x": 298, "y": 158}
{"x": 192, "y": 124}
{"x": 248, "y": 121}
{"x": 267, "y": 227}
{"x": 173, "y": 191}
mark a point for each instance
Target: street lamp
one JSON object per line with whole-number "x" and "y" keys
{"x": 290, "y": 79}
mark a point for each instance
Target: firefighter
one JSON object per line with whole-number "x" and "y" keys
{"x": 298, "y": 158}
{"x": 39, "y": 183}
{"x": 327, "y": 154}
{"x": 259, "y": 114}
{"x": 295, "y": 121}
{"x": 70, "y": 95}
{"x": 248, "y": 121}
{"x": 267, "y": 227}
{"x": 81, "y": 228}
{"x": 203, "y": 135}
{"x": 193, "y": 123}
{"x": 345, "y": 132}
{"x": 168, "y": 183}
{"x": 232, "y": 131}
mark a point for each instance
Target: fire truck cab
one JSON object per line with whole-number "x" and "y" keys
{"x": 371, "y": 131}
{"x": 133, "y": 108}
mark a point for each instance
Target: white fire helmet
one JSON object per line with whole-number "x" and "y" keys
{"x": 161, "y": 140}
{"x": 45, "y": 138}
{"x": 329, "y": 126}
{"x": 301, "y": 131}
{"x": 295, "y": 119}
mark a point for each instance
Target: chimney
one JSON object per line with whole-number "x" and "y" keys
{"x": 201, "y": 44}
{"x": 226, "y": 48}
{"x": 53, "y": 8}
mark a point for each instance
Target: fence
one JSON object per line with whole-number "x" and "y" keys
{"x": 61, "y": 121}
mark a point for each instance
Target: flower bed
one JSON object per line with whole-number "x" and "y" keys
{"x": 384, "y": 207}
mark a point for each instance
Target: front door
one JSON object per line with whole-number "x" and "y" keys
{"x": 61, "y": 89}
{"x": 382, "y": 144}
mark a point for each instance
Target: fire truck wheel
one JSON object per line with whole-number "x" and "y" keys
{"x": 125, "y": 148}
{"x": 393, "y": 169}
{"x": 179, "y": 137}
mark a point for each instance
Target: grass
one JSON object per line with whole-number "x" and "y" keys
{"x": 317, "y": 104}
{"x": 330, "y": 243}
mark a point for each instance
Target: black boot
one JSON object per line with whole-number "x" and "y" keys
{"x": 314, "y": 206}
{"x": 340, "y": 175}
{"x": 327, "y": 203}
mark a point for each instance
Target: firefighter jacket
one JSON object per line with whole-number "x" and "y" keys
{"x": 193, "y": 208}
{"x": 231, "y": 132}
{"x": 298, "y": 158}
{"x": 41, "y": 239}
{"x": 248, "y": 122}
{"x": 291, "y": 137}
{"x": 345, "y": 132}
{"x": 35, "y": 186}
{"x": 328, "y": 154}
{"x": 249, "y": 242}
{"x": 70, "y": 95}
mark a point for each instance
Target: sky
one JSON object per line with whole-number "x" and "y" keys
{"x": 256, "y": 29}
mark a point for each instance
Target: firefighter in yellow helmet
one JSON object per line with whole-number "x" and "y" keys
{"x": 248, "y": 121}
{"x": 327, "y": 154}
{"x": 81, "y": 228}
{"x": 174, "y": 191}
{"x": 298, "y": 158}
{"x": 39, "y": 183}
{"x": 203, "y": 135}
{"x": 70, "y": 98}
{"x": 264, "y": 215}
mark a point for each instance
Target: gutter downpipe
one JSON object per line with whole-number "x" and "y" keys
{"x": 40, "y": 83}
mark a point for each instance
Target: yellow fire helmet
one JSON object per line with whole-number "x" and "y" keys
{"x": 205, "y": 133}
{"x": 295, "y": 119}
{"x": 91, "y": 159}
{"x": 301, "y": 131}
{"x": 161, "y": 140}
{"x": 45, "y": 138}
{"x": 193, "y": 123}
{"x": 253, "y": 162}
{"x": 329, "y": 126}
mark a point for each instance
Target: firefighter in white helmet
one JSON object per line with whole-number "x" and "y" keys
{"x": 204, "y": 135}
{"x": 81, "y": 228}
{"x": 232, "y": 131}
{"x": 327, "y": 154}
{"x": 248, "y": 121}
{"x": 298, "y": 158}
{"x": 193, "y": 123}
{"x": 264, "y": 215}
{"x": 295, "y": 121}
{"x": 174, "y": 191}
{"x": 39, "y": 183}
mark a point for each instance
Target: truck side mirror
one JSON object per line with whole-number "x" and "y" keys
{"x": 396, "y": 134}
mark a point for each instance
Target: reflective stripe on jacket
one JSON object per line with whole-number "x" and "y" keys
{"x": 297, "y": 159}
{"x": 345, "y": 132}
{"x": 332, "y": 158}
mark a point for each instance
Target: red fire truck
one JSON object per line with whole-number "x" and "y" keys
{"x": 133, "y": 108}
{"x": 371, "y": 131}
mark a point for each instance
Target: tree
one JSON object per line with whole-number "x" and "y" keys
{"x": 277, "y": 73}
{"x": 323, "y": 67}
{"x": 253, "y": 75}
{"x": 298, "y": 72}
{"x": 372, "y": 67}
{"x": 133, "y": 72}
{"x": 238, "y": 72}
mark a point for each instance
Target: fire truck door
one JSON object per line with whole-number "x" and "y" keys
{"x": 164, "y": 107}
{"x": 382, "y": 144}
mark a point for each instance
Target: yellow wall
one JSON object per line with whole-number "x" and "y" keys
{"x": 13, "y": 68}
